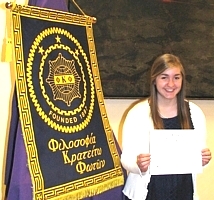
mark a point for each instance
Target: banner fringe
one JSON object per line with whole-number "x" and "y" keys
{"x": 92, "y": 190}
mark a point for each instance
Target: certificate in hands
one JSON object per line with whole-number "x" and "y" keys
{"x": 175, "y": 151}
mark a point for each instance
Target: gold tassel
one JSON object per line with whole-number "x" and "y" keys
{"x": 8, "y": 50}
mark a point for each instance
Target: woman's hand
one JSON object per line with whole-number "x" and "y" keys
{"x": 206, "y": 156}
{"x": 143, "y": 162}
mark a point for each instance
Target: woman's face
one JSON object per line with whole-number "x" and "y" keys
{"x": 169, "y": 83}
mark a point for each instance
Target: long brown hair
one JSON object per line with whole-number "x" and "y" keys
{"x": 162, "y": 63}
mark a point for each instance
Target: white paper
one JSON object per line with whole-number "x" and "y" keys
{"x": 175, "y": 152}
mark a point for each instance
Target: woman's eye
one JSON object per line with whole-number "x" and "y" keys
{"x": 163, "y": 77}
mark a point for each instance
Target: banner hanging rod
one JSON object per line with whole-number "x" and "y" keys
{"x": 9, "y": 5}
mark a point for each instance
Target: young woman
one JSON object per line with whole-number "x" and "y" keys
{"x": 166, "y": 108}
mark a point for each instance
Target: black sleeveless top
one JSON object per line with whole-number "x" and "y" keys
{"x": 170, "y": 187}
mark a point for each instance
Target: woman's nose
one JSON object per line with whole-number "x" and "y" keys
{"x": 171, "y": 82}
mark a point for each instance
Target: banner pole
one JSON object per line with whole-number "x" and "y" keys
{"x": 9, "y": 5}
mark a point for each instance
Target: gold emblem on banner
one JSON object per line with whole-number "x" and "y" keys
{"x": 64, "y": 79}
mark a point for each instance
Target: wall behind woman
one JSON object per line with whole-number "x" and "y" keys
{"x": 117, "y": 109}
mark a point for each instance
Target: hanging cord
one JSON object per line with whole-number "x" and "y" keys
{"x": 77, "y": 6}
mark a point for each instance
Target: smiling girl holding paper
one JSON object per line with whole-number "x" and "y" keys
{"x": 166, "y": 108}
